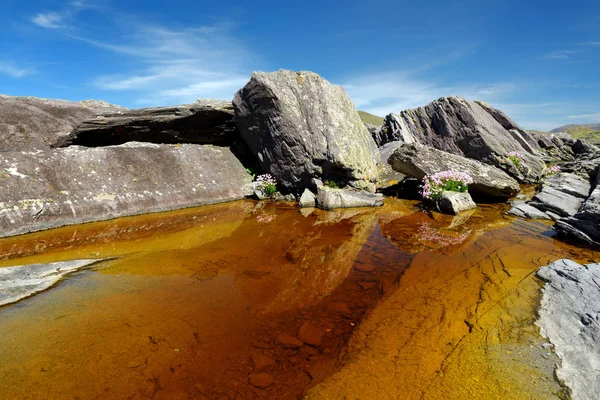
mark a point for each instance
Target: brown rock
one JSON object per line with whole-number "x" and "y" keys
{"x": 364, "y": 267}
{"x": 261, "y": 361}
{"x": 289, "y": 341}
{"x": 367, "y": 285}
{"x": 261, "y": 380}
{"x": 311, "y": 334}
{"x": 339, "y": 308}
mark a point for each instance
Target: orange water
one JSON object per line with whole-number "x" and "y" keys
{"x": 189, "y": 298}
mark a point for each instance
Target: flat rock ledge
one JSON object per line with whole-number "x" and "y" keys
{"x": 329, "y": 199}
{"x": 19, "y": 282}
{"x": 569, "y": 317}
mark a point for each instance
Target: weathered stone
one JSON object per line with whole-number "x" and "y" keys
{"x": 288, "y": 341}
{"x": 569, "y": 317}
{"x": 204, "y": 122}
{"x": 524, "y": 210}
{"x": 23, "y": 281}
{"x": 311, "y": 334}
{"x": 387, "y": 176}
{"x": 570, "y": 184}
{"x": 28, "y": 123}
{"x": 417, "y": 160}
{"x": 329, "y": 199}
{"x": 302, "y": 128}
{"x": 261, "y": 380}
{"x": 467, "y": 129}
{"x": 46, "y": 189}
{"x": 561, "y": 203}
{"x": 308, "y": 199}
{"x": 261, "y": 361}
{"x": 455, "y": 202}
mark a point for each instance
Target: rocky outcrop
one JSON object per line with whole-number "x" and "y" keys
{"x": 585, "y": 224}
{"x": 32, "y": 123}
{"x": 468, "y": 129}
{"x": 569, "y": 317}
{"x": 561, "y": 196}
{"x": 417, "y": 160}
{"x": 329, "y": 199}
{"x": 19, "y": 282}
{"x": 45, "y": 189}
{"x": 302, "y": 129}
{"x": 204, "y": 122}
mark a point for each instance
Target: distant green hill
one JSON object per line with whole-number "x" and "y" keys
{"x": 589, "y": 132}
{"x": 370, "y": 118}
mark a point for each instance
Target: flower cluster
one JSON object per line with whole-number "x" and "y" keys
{"x": 267, "y": 184}
{"x": 433, "y": 185}
{"x": 517, "y": 159}
{"x": 439, "y": 237}
{"x": 553, "y": 170}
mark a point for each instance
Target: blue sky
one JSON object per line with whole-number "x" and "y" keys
{"x": 537, "y": 60}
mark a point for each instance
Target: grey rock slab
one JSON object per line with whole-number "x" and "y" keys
{"x": 45, "y": 189}
{"x": 556, "y": 201}
{"x": 329, "y": 199}
{"x": 455, "y": 202}
{"x": 468, "y": 129}
{"x": 524, "y": 210}
{"x": 569, "y": 183}
{"x": 203, "y": 122}
{"x": 19, "y": 282}
{"x": 302, "y": 128}
{"x": 417, "y": 160}
{"x": 569, "y": 316}
{"x": 30, "y": 123}
{"x": 585, "y": 224}
{"x": 308, "y": 199}
{"x": 387, "y": 176}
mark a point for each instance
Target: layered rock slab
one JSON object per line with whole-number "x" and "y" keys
{"x": 461, "y": 127}
{"x": 417, "y": 160}
{"x": 204, "y": 122}
{"x": 33, "y": 123}
{"x": 46, "y": 189}
{"x": 569, "y": 317}
{"x": 302, "y": 129}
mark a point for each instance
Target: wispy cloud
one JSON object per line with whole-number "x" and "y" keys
{"x": 560, "y": 54}
{"x": 589, "y": 44}
{"x": 594, "y": 116}
{"x": 61, "y": 19}
{"x": 178, "y": 65}
{"x": 10, "y": 69}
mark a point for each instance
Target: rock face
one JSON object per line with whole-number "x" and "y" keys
{"x": 302, "y": 128}
{"x": 205, "y": 122}
{"x": 585, "y": 224}
{"x": 468, "y": 129}
{"x": 417, "y": 160}
{"x": 455, "y": 202}
{"x": 45, "y": 189}
{"x": 32, "y": 123}
{"x": 561, "y": 196}
{"x": 569, "y": 317}
{"x": 19, "y": 282}
{"x": 329, "y": 199}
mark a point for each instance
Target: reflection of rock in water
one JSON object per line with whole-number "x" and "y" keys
{"x": 317, "y": 253}
{"x": 460, "y": 323}
{"x": 422, "y": 231}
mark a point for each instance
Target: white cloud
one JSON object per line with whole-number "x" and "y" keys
{"x": 594, "y": 117}
{"x": 560, "y": 54}
{"x": 178, "y": 66}
{"x": 10, "y": 69}
{"x": 50, "y": 20}
{"x": 381, "y": 94}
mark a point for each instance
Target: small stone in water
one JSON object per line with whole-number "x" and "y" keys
{"x": 261, "y": 361}
{"x": 261, "y": 380}
{"x": 289, "y": 341}
{"x": 311, "y": 334}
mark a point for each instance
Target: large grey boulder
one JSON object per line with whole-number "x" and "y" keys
{"x": 569, "y": 317}
{"x": 524, "y": 210}
{"x": 569, "y": 183}
{"x": 204, "y": 122}
{"x": 465, "y": 128}
{"x": 28, "y": 123}
{"x": 302, "y": 129}
{"x": 556, "y": 201}
{"x": 417, "y": 160}
{"x": 45, "y": 189}
{"x": 19, "y": 282}
{"x": 329, "y": 199}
